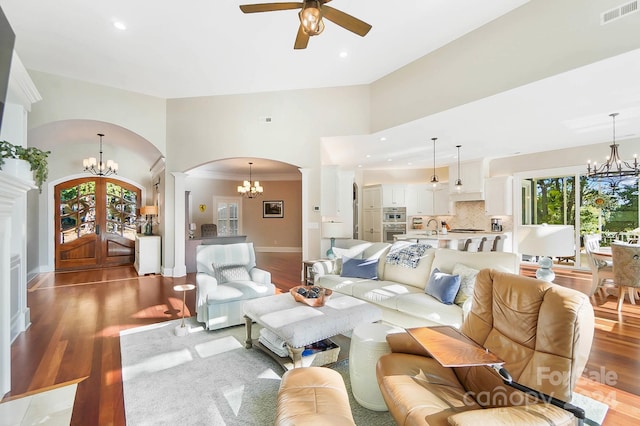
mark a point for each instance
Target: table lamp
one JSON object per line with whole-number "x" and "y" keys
{"x": 332, "y": 230}
{"x": 148, "y": 212}
{"x": 547, "y": 241}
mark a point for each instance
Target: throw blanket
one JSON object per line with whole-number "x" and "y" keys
{"x": 407, "y": 256}
{"x": 273, "y": 342}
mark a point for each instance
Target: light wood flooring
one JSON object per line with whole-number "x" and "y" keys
{"x": 77, "y": 316}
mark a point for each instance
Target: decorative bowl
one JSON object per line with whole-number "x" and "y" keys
{"x": 300, "y": 294}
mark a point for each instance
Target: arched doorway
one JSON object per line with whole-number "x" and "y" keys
{"x": 95, "y": 223}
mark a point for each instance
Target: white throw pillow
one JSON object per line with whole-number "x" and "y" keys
{"x": 467, "y": 282}
{"x": 354, "y": 252}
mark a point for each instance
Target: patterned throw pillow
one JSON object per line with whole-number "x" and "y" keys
{"x": 227, "y": 273}
{"x": 467, "y": 282}
{"x": 442, "y": 286}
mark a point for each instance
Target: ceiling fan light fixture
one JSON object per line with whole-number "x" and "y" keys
{"x": 311, "y": 18}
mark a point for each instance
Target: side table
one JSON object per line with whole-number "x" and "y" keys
{"x": 307, "y": 270}
{"x": 182, "y": 329}
{"x": 368, "y": 343}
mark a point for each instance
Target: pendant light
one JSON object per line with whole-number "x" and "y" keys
{"x": 434, "y": 178}
{"x": 458, "y": 181}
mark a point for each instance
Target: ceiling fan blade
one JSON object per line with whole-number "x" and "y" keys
{"x": 270, "y": 7}
{"x": 346, "y": 21}
{"x": 302, "y": 39}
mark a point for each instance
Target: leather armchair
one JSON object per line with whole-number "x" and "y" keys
{"x": 542, "y": 331}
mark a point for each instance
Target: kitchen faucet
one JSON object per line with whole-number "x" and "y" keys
{"x": 436, "y": 222}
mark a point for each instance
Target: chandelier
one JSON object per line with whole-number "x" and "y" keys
{"x": 91, "y": 165}
{"x": 614, "y": 168}
{"x": 434, "y": 178}
{"x": 249, "y": 188}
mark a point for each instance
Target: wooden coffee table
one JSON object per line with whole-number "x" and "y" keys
{"x": 299, "y": 325}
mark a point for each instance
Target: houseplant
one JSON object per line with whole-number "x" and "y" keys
{"x": 36, "y": 158}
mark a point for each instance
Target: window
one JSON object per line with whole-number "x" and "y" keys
{"x": 610, "y": 209}
{"x": 229, "y": 216}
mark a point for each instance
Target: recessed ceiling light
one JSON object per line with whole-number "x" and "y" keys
{"x": 389, "y": 159}
{"x": 409, "y": 164}
{"x": 359, "y": 165}
{"x": 120, "y": 25}
{"x": 368, "y": 156}
{"x": 344, "y": 54}
{"x": 382, "y": 139}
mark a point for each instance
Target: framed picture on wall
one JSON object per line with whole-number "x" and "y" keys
{"x": 273, "y": 209}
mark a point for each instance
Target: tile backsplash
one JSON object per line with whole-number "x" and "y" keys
{"x": 470, "y": 214}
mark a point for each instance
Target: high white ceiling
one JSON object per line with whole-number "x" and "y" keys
{"x": 176, "y": 49}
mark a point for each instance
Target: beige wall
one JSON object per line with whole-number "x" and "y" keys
{"x": 567, "y": 157}
{"x": 65, "y": 99}
{"x": 539, "y": 39}
{"x": 271, "y": 233}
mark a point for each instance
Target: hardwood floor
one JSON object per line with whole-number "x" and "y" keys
{"x": 77, "y": 316}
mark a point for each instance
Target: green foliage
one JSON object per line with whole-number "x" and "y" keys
{"x": 36, "y": 158}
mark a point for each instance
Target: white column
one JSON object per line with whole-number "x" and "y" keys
{"x": 179, "y": 265}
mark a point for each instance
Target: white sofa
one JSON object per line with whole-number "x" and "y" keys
{"x": 400, "y": 290}
{"x": 226, "y": 278}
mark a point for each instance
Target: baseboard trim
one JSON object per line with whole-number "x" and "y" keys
{"x": 278, "y": 249}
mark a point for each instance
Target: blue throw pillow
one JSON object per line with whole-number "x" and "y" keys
{"x": 443, "y": 287}
{"x": 360, "y": 268}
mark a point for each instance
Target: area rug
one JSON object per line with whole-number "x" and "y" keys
{"x": 208, "y": 377}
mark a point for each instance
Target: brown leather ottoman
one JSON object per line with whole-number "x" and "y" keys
{"x": 313, "y": 396}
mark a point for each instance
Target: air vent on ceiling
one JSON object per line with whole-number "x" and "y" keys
{"x": 619, "y": 12}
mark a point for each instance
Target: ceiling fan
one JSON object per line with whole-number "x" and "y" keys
{"x": 311, "y": 15}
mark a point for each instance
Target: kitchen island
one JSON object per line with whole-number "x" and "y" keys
{"x": 456, "y": 240}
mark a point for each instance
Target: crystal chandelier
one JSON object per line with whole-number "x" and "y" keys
{"x": 100, "y": 168}
{"x": 614, "y": 168}
{"x": 249, "y": 188}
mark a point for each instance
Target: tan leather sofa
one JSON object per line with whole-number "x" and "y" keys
{"x": 542, "y": 331}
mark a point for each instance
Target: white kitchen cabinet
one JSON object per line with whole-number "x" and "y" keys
{"x": 473, "y": 175}
{"x": 442, "y": 203}
{"x": 147, "y": 260}
{"x": 393, "y": 195}
{"x": 499, "y": 196}
{"x": 419, "y": 200}
{"x": 372, "y": 225}
{"x": 337, "y": 194}
{"x": 372, "y": 197}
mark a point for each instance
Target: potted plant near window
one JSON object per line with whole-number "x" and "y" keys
{"x": 36, "y": 158}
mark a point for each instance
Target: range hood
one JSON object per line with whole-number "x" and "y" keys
{"x": 473, "y": 174}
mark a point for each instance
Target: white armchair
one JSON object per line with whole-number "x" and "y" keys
{"x": 227, "y": 277}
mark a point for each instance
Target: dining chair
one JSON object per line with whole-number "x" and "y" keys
{"x": 601, "y": 266}
{"x": 626, "y": 270}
